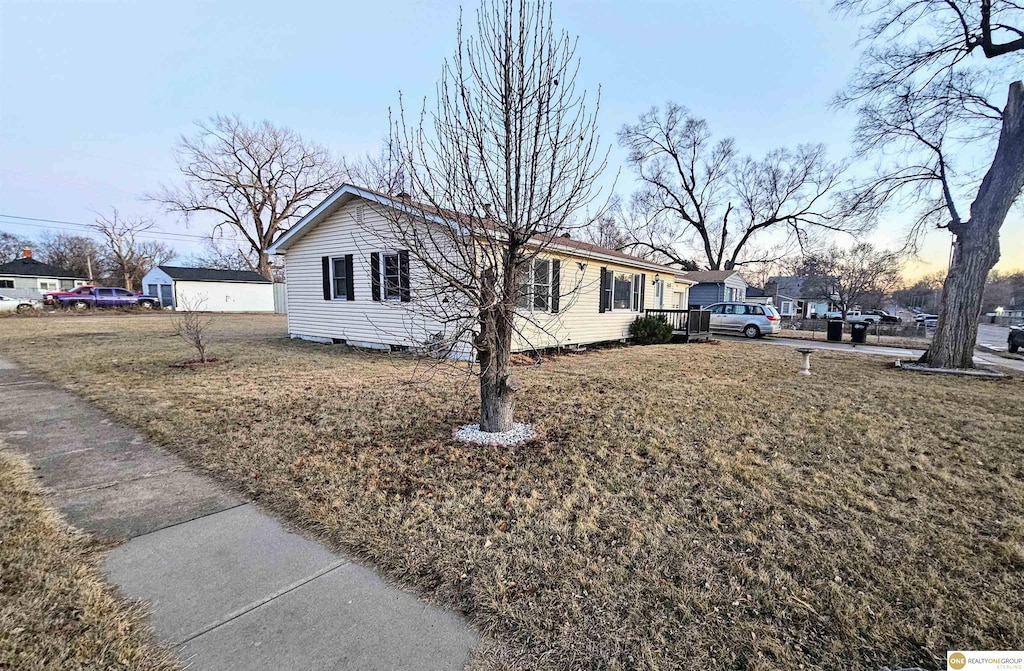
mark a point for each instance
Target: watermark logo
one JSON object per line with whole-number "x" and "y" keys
{"x": 985, "y": 660}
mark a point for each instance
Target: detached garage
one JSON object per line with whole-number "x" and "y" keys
{"x": 209, "y": 289}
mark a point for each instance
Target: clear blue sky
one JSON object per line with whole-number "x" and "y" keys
{"x": 93, "y": 95}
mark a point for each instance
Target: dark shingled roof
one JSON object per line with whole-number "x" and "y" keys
{"x": 212, "y": 275}
{"x": 28, "y": 267}
{"x": 710, "y": 275}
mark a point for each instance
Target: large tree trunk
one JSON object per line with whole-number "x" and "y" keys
{"x": 264, "y": 268}
{"x": 494, "y": 350}
{"x": 977, "y": 244}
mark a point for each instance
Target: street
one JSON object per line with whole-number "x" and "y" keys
{"x": 993, "y": 336}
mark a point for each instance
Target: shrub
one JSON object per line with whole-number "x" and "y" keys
{"x": 650, "y": 330}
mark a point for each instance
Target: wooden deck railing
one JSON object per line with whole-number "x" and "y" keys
{"x": 685, "y": 322}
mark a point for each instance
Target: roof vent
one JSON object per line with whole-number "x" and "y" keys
{"x": 402, "y": 195}
{"x": 27, "y": 252}
{"x": 565, "y": 235}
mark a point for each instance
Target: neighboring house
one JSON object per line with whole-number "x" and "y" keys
{"x": 806, "y": 303}
{"x": 348, "y": 282}
{"x": 210, "y": 290}
{"x": 786, "y": 305}
{"x": 715, "y": 286}
{"x": 26, "y": 277}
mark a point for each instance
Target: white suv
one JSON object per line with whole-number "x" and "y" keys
{"x": 751, "y": 319}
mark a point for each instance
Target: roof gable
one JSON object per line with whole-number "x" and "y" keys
{"x": 212, "y": 275}
{"x": 29, "y": 267}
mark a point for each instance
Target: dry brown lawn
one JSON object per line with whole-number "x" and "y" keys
{"x": 689, "y": 506}
{"x": 56, "y": 613}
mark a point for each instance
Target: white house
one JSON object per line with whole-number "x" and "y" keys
{"x": 210, "y": 290}
{"x": 348, "y": 283}
{"x": 25, "y": 277}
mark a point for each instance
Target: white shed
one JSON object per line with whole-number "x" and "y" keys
{"x": 210, "y": 290}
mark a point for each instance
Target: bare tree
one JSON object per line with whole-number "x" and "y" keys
{"x": 699, "y": 194}
{"x": 80, "y": 254}
{"x": 850, "y": 276}
{"x": 506, "y": 162}
{"x": 127, "y": 257}
{"x": 11, "y": 246}
{"x": 192, "y": 325}
{"x": 251, "y": 180}
{"x": 928, "y": 92}
{"x": 221, "y": 256}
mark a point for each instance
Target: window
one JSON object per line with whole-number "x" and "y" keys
{"x": 538, "y": 290}
{"x": 730, "y": 309}
{"x": 392, "y": 277}
{"x": 339, "y": 277}
{"x": 6, "y": 284}
{"x": 48, "y": 285}
{"x": 755, "y": 310}
{"x": 104, "y": 292}
{"x": 625, "y": 291}
{"x": 541, "y": 284}
{"x": 659, "y": 294}
{"x": 786, "y": 307}
{"x": 151, "y": 289}
{"x": 123, "y": 292}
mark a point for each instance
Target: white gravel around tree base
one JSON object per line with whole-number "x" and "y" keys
{"x": 471, "y": 433}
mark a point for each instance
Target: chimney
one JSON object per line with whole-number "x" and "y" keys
{"x": 402, "y": 195}
{"x": 565, "y": 235}
{"x": 27, "y": 252}
{"x": 487, "y": 210}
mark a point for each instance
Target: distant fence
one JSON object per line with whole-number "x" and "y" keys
{"x": 901, "y": 330}
{"x": 1000, "y": 320}
{"x": 280, "y": 298}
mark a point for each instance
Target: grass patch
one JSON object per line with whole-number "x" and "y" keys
{"x": 56, "y": 613}
{"x": 690, "y": 506}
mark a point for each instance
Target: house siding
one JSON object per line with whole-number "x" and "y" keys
{"x": 361, "y": 321}
{"x": 706, "y": 293}
{"x": 376, "y": 323}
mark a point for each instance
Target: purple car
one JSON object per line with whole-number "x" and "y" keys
{"x": 102, "y": 297}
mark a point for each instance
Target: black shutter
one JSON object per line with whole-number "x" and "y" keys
{"x": 643, "y": 285}
{"x": 326, "y": 263}
{"x": 556, "y": 283}
{"x": 375, "y": 276}
{"x": 403, "y": 275}
{"x": 604, "y": 290}
{"x": 350, "y": 271}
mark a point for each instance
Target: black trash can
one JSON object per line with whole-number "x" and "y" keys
{"x": 835, "y": 330}
{"x": 858, "y": 333}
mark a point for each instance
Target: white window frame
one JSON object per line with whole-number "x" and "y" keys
{"x": 784, "y": 311}
{"x": 5, "y": 281}
{"x": 397, "y": 298}
{"x": 530, "y": 294}
{"x": 334, "y": 289}
{"x": 48, "y": 285}
{"x": 634, "y": 291}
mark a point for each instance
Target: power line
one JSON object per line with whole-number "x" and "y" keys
{"x": 62, "y": 225}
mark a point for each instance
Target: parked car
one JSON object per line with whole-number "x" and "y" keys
{"x": 52, "y": 298}
{"x": 751, "y": 319}
{"x": 880, "y": 316}
{"x": 923, "y": 317}
{"x": 1016, "y": 338}
{"x": 101, "y": 297}
{"x": 8, "y": 304}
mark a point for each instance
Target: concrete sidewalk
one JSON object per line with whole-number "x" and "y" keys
{"x": 227, "y": 585}
{"x": 980, "y": 358}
